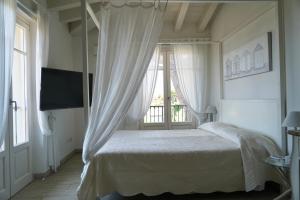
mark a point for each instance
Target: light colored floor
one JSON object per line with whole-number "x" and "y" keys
{"x": 63, "y": 184}
{"x": 59, "y": 186}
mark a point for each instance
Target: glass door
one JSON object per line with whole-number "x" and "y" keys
{"x": 156, "y": 116}
{"x": 20, "y": 146}
{"x": 167, "y": 109}
{"x": 180, "y": 115}
{"x": 4, "y": 169}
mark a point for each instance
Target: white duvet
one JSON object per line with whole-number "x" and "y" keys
{"x": 216, "y": 157}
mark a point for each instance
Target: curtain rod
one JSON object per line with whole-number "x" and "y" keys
{"x": 196, "y": 1}
{"x": 198, "y": 42}
{"x": 204, "y": 40}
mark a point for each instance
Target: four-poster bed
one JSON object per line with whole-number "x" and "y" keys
{"x": 120, "y": 161}
{"x": 217, "y": 157}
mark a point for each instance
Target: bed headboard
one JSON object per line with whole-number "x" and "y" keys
{"x": 258, "y": 115}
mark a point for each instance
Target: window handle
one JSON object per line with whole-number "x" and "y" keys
{"x": 14, "y": 104}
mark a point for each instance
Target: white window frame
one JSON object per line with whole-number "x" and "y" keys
{"x": 167, "y": 124}
{"x": 27, "y": 53}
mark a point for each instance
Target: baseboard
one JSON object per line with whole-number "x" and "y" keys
{"x": 66, "y": 158}
{"x": 42, "y": 175}
{"x": 62, "y": 161}
{"x": 78, "y": 150}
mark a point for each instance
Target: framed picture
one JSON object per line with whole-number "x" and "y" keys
{"x": 252, "y": 58}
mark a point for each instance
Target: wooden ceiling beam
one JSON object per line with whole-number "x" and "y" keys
{"x": 93, "y": 15}
{"x": 74, "y": 14}
{"x": 59, "y": 5}
{"x": 181, "y": 16}
{"x": 70, "y": 15}
{"x": 75, "y": 28}
{"x": 207, "y": 17}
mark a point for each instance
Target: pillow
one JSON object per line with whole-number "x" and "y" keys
{"x": 224, "y": 130}
{"x": 241, "y": 136}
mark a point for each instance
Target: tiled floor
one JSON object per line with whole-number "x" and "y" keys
{"x": 59, "y": 186}
{"x": 63, "y": 184}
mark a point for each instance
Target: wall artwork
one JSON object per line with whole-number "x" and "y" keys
{"x": 255, "y": 57}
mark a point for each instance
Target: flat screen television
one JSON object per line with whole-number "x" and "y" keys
{"x": 62, "y": 89}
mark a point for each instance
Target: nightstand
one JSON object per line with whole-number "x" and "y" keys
{"x": 281, "y": 164}
{"x": 292, "y": 121}
{"x": 295, "y": 177}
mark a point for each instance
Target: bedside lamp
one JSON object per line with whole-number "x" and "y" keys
{"x": 211, "y": 111}
{"x": 292, "y": 120}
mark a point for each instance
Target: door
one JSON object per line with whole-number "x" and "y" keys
{"x": 167, "y": 110}
{"x": 4, "y": 170}
{"x": 19, "y": 142}
{"x": 15, "y": 153}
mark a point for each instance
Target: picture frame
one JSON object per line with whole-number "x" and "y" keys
{"x": 252, "y": 58}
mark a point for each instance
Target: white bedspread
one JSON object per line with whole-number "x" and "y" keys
{"x": 255, "y": 148}
{"x": 176, "y": 161}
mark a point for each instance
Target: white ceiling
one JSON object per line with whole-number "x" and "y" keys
{"x": 179, "y": 17}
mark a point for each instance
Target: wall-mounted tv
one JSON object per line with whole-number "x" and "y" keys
{"x": 62, "y": 89}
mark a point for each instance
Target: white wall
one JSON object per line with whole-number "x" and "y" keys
{"x": 262, "y": 86}
{"x": 77, "y": 55}
{"x": 235, "y": 25}
{"x": 64, "y": 53}
{"x": 61, "y": 56}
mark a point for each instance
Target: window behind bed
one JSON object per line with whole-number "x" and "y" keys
{"x": 167, "y": 110}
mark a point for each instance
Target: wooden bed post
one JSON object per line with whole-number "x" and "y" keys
{"x": 85, "y": 62}
{"x": 283, "y": 92}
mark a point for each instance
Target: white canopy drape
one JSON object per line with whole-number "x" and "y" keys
{"x": 191, "y": 77}
{"x": 143, "y": 99}
{"x": 128, "y": 37}
{"x": 7, "y": 37}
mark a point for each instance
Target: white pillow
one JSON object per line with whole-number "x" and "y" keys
{"x": 224, "y": 130}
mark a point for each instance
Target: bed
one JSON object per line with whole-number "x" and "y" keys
{"x": 216, "y": 157}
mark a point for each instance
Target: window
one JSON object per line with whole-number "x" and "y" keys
{"x": 167, "y": 109}
{"x": 19, "y": 73}
{"x": 156, "y": 111}
{"x": 179, "y": 111}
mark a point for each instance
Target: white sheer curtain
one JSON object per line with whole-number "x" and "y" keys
{"x": 42, "y": 51}
{"x": 43, "y": 138}
{"x": 128, "y": 37}
{"x": 143, "y": 98}
{"x": 7, "y": 36}
{"x": 191, "y": 77}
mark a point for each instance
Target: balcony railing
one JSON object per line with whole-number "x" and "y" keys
{"x": 179, "y": 113}
{"x": 155, "y": 114}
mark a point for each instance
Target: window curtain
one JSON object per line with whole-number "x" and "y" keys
{"x": 190, "y": 77}
{"x": 43, "y": 139}
{"x": 143, "y": 99}
{"x": 128, "y": 37}
{"x": 42, "y": 51}
{"x": 7, "y": 37}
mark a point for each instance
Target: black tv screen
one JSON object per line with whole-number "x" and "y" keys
{"x": 62, "y": 89}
